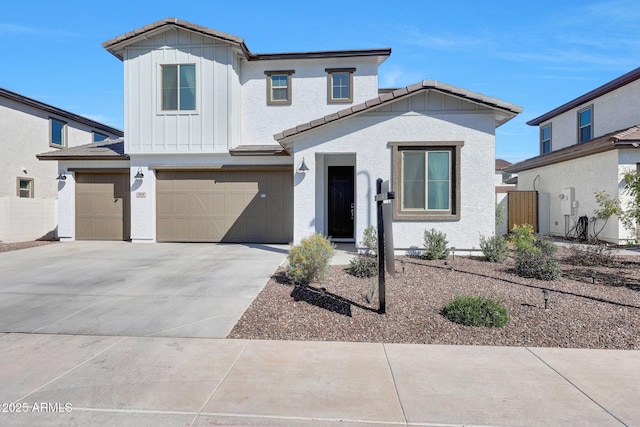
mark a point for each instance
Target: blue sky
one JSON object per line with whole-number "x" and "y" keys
{"x": 538, "y": 55}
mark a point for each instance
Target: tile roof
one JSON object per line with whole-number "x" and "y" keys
{"x": 116, "y": 44}
{"x": 386, "y": 97}
{"x": 58, "y": 111}
{"x": 624, "y": 138}
{"x": 623, "y": 80}
{"x": 109, "y": 149}
{"x": 501, "y": 164}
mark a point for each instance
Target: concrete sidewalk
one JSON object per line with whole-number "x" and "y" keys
{"x": 160, "y": 381}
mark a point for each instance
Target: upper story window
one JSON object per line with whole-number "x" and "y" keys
{"x": 279, "y": 87}
{"x": 98, "y": 137}
{"x": 340, "y": 84}
{"x": 585, "y": 124}
{"x": 545, "y": 139}
{"x": 179, "y": 87}
{"x": 25, "y": 188}
{"x": 426, "y": 178}
{"x": 57, "y": 133}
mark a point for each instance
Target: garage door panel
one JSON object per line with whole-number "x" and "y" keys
{"x": 102, "y": 206}
{"x": 225, "y": 206}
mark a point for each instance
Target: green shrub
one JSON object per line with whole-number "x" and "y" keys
{"x": 370, "y": 240}
{"x": 363, "y": 266}
{"x": 494, "y": 248}
{"x": 538, "y": 261}
{"x": 522, "y": 236}
{"x": 591, "y": 255}
{"x": 476, "y": 311}
{"x": 435, "y": 244}
{"x": 309, "y": 261}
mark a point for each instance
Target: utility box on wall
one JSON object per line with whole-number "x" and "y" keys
{"x": 566, "y": 200}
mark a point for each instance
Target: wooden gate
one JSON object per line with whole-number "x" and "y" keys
{"x": 523, "y": 209}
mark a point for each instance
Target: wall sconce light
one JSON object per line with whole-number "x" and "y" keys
{"x": 303, "y": 167}
{"x": 635, "y": 144}
{"x": 139, "y": 175}
{"x": 561, "y": 196}
{"x": 61, "y": 176}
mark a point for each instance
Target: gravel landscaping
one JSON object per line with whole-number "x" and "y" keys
{"x": 589, "y": 307}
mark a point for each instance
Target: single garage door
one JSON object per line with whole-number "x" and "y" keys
{"x": 225, "y": 206}
{"x": 102, "y": 206}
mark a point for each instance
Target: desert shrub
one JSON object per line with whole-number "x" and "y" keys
{"x": 494, "y": 248}
{"x": 591, "y": 255}
{"x": 538, "y": 261}
{"x": 476, "y": 311}
{"x": 309, "y": 261}
{"x": 522, "y": 236}
{"x": 370, "y": 240}
{"x": 435, "y": 244}
{"x": 363, "y": 266}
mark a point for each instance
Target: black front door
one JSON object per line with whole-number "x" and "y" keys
{"x": 341, "y": 207}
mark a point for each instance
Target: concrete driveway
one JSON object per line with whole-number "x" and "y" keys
{"x": 119, "y": 288}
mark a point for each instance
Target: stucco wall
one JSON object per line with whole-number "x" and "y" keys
{"x": 25, "y": 132}
{"x": 614, "y": 111}
{"x": 367, "y": 137}
{"x": 309, "y": 94}
{"x": 586, "y": 175}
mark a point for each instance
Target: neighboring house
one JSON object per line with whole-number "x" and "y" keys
{"x": 226, "y": 145}
{"x": 586, "y": 145}
{"x": 29, "y": 190}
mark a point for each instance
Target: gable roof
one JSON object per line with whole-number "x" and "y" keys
{"x": 58, "y": 111}
{"x": 623, "y": 80}
{"x": 109, "y": 149}
{"x": 387, "y": 97}
{"x": 625, "y": 138}
{"x": 501, "y": 164}
{"x": 117, "y": 44}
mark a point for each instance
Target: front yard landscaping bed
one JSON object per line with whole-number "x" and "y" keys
{"x": 580, "y": 313}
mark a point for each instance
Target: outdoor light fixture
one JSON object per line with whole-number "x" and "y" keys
{"x": 545, "y": 294}
{"x": 303, "y": 167}
{"x": 453, "y": 252}
{"x": 61, "y": 176}
{"x": 635, "y": 144}
{"x": 139, "y": 175}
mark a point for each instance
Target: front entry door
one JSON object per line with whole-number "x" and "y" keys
{"x": 341, "y": 203}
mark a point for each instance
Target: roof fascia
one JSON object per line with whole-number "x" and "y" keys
{"x": 58, "y": 111}
{"x": 617, "y": 83}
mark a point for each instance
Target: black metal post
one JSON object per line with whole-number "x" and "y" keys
{"x": 381, "y": 281}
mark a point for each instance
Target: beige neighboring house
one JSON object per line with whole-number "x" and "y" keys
{"x": 29, "y": 190}
{"x": 586, "y": 146}
{"x": 227, "y": 145}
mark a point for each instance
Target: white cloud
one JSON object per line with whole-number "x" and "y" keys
{"x": 12, "y": 29}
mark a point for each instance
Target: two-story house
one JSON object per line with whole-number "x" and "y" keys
{"x": 586, "y": 145}
{"x": 226, "y": 145}
{"x": 29, "y": 190}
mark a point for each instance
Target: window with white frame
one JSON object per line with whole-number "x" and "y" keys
{"x": 426, "y": 178}
{"x": 178, "y": 87}
{"x": 340, "y": 84}
{"x": 279, "y": 87}
{"x": 25, "y": 188}
{"x": 545, "y": 139}
{"x": 99, "y": 137}
{"x": 57, "y": 133}
{"x": 585, "y": 124}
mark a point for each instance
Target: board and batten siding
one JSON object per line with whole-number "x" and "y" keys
{"x": 213, "y": 127}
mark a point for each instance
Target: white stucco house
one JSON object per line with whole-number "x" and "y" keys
{"x": 586, "y": 145}
{"x": 29, "y": 189}
{"x": 226, "y": 145}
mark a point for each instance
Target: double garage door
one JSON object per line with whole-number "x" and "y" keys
{"x": 224, "y": 206}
